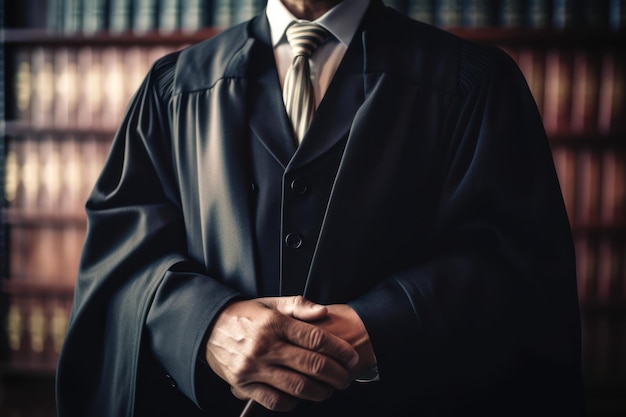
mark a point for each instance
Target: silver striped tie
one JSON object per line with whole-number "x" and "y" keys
{"x": 298, "y": 94}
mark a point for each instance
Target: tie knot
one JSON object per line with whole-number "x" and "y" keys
{"x": 305, "y": 37}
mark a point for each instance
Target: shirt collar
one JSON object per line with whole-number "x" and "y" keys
{"x": 341, "y": 21}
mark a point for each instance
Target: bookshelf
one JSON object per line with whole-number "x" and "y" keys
{"x": 58, "y": 123}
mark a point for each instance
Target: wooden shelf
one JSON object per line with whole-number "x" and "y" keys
{"x": 51, "y": 38}
{"x": 15, "y": 217}
{"x": 22, "y": 128}
{"x": 488, "y": 35}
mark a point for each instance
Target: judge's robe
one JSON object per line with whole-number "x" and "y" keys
{"x": 424, "y": 195}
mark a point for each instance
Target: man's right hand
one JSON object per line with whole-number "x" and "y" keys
{"x": 265, "y": 352}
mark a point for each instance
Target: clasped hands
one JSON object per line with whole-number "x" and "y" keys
{"x": 278, "y": 350}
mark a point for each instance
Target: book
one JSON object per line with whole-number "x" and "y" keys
{"x": 617, "y": 14}
{"x": 90, "y": 88}
{"x": 66, "y": 86}
{"x": 144, "y": 16}
{"x": 613, "y": 191}
{"x": 222, "y": 16}
{"x": 588, "y": 181}
{"x": 244, "y": 10}
{"x": 169, "y": 15}
{"x": 54, "y": 14}
{"x": 612, "y": 94}
{"x": 42, "y": 93}
{"x": 421, "y": 10}
{"x": 198, "y": 14}
{"x": 477, "y": 13}
{"x": 538, "y": 14}
{"x": 72, "y": 15}
{"x": 22, "y": 85}
{"x": 511, "y": 13}
{"x": 557, "y": 91}
{"x": 114, "y": 96}
{"x": 448, "y": 13}
{"x": 120, "y": 15}
{"x": 50, "y": 172}
{"x": 585, "y": 87}
{"x": 94, "y": 16}
{"x": 564, "y": 14}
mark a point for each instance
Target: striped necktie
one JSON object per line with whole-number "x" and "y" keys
{"x": 298, "y": 94}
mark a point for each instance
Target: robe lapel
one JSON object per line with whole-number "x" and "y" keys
{"x": 268, "y": 119}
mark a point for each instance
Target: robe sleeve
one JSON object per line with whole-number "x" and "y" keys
{"x": 499, "y": 291}
{"x": 135, "y": 279}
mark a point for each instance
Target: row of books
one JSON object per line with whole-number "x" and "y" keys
{"x": 537, "y": 14}
{"x": 91, "y": 16}
{"x": 578, "y": 90}
{"x": 78, "y": 87}
{"x": 36, "y": 325}
{"x": 601, "y": 270}
{"x": 45, "y": 255}
{"x": 122, "y": 16}
{"x": 52, "y": 176}
{"x": 593, "y": 184}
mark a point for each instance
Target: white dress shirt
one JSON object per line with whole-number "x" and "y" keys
{"x": 341, "y": 21}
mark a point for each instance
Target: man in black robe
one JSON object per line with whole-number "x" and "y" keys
{"x": 420, "y": 216}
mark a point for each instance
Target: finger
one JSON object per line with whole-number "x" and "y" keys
{"x": 318, "y": 340}
{"x": 297, "y": 307}
{"x": 266, "y": 396}
{"x": 308, "y": 366}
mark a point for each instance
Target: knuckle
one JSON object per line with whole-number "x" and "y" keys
{"x": 315, "y": 364}
{"x": 316, "y": 338}
{"x": 296, "y": 386}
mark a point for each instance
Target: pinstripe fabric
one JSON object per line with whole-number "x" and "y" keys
{"x": 304, "y": 38}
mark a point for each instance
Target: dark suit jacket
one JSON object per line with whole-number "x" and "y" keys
{"x": 424, "y": 195}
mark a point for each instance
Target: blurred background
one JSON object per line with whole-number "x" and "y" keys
{"x": 69, "y": 67}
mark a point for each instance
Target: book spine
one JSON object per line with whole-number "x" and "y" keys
{"x": 511, "y": 13}
{"x": 244, "y": 10}
{"x": 72, "y": 15}
{"x": 90, "y": 88}
{"x": 196, "y": 14}
{"x": 448, "y": 13}
{"x": 94, "y": 16}
{"x": 421, "y": 10}
{"x": 222, "y": 16}
{"x": 120, "y": 12}
{"x": 589, "y": 184}
{"x": 564, "y": 14}
{"x": 169, "y": 15}
{"x": 66, "y": 86}
{"x": 585, "y": 86}
{"x": 54, "y": 15}
{"x": 144, "y": 16}
{"x": 477, "y": 13}
{"x": 617, "y": 14}
{"x": 538, "y": 14}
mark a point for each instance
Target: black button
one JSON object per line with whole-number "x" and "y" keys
{"x": 293, "y": 240}
{"x": 298, "y": 186}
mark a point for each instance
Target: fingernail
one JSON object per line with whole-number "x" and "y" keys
{"x": 317, "y": 307}
{"x": 353, "y": 361}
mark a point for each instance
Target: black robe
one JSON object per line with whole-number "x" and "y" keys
{"x": 424, "y": 195}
